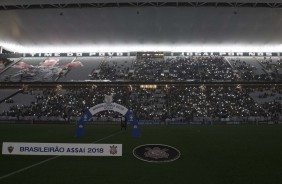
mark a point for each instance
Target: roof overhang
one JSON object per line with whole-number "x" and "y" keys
{"x": 33, "y": 2}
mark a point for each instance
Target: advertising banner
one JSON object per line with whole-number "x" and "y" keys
{"x": 66, "y": 149}
{"x": 108, "y": 106}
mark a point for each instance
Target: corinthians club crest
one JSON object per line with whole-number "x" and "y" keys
{"x": 156, "y": 153}
{"x": 113, "y": 149}
{"x": 10, "y": 149}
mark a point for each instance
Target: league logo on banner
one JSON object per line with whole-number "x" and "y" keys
{"x": 10, "y": 149}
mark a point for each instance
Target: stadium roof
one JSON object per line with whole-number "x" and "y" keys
{"x": 22, "y": 2}
{"x": 172, "y": 27}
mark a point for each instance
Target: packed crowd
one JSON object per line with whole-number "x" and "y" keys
{"x": 175, "y": 69}
{"x": 65, "y": 104}
{"x": 171, "y": 69}
{"x": 205, "y": 68}
{"x": 168, "y": 102}
{"x": 110, "y": 71}
{"x": 274, "y": 67}
{"x": 247, "y": 72}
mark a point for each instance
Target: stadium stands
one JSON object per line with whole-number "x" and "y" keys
{"x": 162, "y": 104}
{"x": 173, "y": 69}
{"x": 205, "y": 104}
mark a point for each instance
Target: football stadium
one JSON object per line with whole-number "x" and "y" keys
{"x": 147, "y": 91}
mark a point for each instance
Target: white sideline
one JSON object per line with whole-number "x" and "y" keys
{"x": 52, "y": 158}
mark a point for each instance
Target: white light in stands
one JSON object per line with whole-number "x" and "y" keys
{"x": 144, "y": 47}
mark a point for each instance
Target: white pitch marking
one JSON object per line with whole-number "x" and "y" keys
{"x": 52, "y": 158}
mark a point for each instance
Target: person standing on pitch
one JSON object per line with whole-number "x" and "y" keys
{"x": 123, "y": 123}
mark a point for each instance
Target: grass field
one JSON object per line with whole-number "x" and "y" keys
{"x": 209, "y": 154}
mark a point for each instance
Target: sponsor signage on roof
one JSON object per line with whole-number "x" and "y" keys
{"x": 66, "y": 149}
{"x": 225, "y": 54}
{"x": 80, "y": 54}
{"x": 116, "y": 54}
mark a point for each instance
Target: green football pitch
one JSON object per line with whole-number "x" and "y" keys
{"x": 209, "y": 154}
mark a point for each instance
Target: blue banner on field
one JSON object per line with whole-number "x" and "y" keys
{"x": 80, "y": 127}
{"x": 135, "y": 130}
{"x": 87, "y": 115}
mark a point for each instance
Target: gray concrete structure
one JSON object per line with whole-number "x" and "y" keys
{"x": 171, "y": 25}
